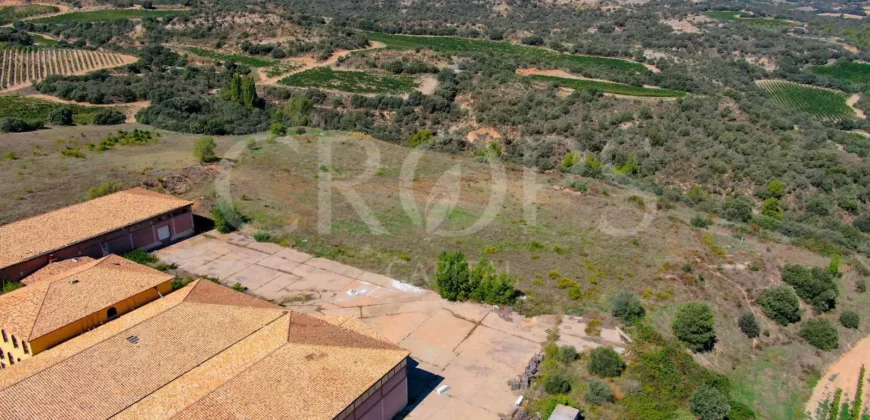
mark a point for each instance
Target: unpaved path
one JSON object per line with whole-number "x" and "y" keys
{"x": 310, "y": 63}
{"x": 854, "y": 100}
{"x": 843, "y": 374}
{"x": 565, "y": 75}
{"x": 428, "y": 84}
{"x": 130, "y": 108}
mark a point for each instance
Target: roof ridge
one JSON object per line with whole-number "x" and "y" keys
{"x": 205, "y": 361}
{"x": 38, "y": 313}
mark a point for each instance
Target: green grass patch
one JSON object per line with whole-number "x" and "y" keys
{"x": 9, "y": 14}
{"x": 35, "y": 110}
{"x": 43, "y": 41}
{"x": 282, "y": 68}
{"x": 735, "y": 17}
{"x": 823, "y": 103}
{"x": 350, "y": 81}
{"x": 247, "y": 60}
{"x": 848, "y": 71}
{"x": 617, "y": 88}
{"x": 108, "y": 15}
{"x": 465, "y": 45}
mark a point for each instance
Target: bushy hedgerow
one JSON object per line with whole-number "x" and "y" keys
{"x": 557, "y": 383}
{"x": 850, "y": 319}
{"x": 709, "y": 404}
{"x": 781, "y": 304}
{"x": 456, "y": 282}
{"x": 814, "y": 285}
{"x": 605, "y": 362}
{"x": 749, "y": 325}
{"x": 694, "y": 326}
{"x": 820, "y": 333}
{"x": 627, "y": 307}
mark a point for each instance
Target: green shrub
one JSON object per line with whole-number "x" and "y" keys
{"x": 263, "y": 236}
{"x": 566, "y": 354}
{"x": 709, "y": 404}
{"x": 781, "y": 304}
{"x": 694, "y": 326}
{"x": 225, "y": 217}
{"x": 105, "y": 188}
{"x": 592, "y": 168}
{"x": 749, "y": 325}
{"x": 598, "y": 393}
{"x": 8, "y": 286}
{"x": 701, "y": 222}
{"x": 861, "y": 285}
{"x": 420, "y": 137}
{"x": 452, "y": 276}
{"x": 736, "y": 210}
{"x": 605, "y": 362}
{"x": 203, "y": 149}
{"x": 862, "y": 223}
{"x": 278, "y": 129}
{"x": 820, "y": 334}
{"x": 578, "y": 186}
{"x": 455, "y": 282}
{"x": 140, "y": 256}
{"x": 556, "y": 383}
{"x": 627, "y": 307}
{"x": 850, "y": 319}
{"x": 570, "y": 159}
{"x": 109, "y": 117}
{"x": 17, "y": 125}
{"x": 771, "y": 208}
{"x": 239, "y": 287}
{"x": 61, "y": 116}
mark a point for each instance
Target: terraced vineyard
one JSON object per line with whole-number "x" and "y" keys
{"x": 350, "y": 81}
{"x": 456, "y": 45}
{"x": 20, "y": 66}
{"x": 858, "y": 73}
{"x": 821, "y": 102}
{"x": 108, "y": 15}
{"x": 615, "y": 88}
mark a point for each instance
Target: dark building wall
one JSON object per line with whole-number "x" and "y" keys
{"x": 386, "y": 399}
{"x": 141, "y": 235}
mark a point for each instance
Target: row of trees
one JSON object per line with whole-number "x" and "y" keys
{"x": 455, "y": 281}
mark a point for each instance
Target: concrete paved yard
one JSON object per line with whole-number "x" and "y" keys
{"x": 469, "y": 347}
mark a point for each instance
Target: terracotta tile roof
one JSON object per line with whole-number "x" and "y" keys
{"x": 49, "y": 232}
{"x": 212, "y": 355}
{"x": 54, "y": 302}
{"x": 55, "y": 268}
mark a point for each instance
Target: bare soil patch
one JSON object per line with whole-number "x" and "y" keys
{"x": 486, "y": 135}
{"x": 854, "y": 100}
{"x": 311, "y": 62}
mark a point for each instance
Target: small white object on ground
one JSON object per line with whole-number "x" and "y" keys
{"x": 443, "y": 388}
{"x": 519, "y": 401}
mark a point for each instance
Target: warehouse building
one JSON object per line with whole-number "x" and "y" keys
{"x": 116, "y": 223}
{"x": 206, "y": 352}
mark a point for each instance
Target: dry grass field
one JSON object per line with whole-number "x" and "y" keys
{"x": 556, "y": 235}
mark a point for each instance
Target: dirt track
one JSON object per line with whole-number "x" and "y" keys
{"x": 843, "y": 374}
{"x": 311, "y": 63}
{"x": 130, "y": 109}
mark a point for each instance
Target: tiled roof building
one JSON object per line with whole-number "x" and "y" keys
{"x": 67, "y": 299}
{"x": 206, "y": 351}
{"x": 116, "y": 223}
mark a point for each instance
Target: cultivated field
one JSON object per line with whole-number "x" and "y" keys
{"x": 464, "y": 45}
{"x": 21, "y": 66}
{"x": 107, "y": 15}
{"x": 858, "y": 73}
{"x": 735, "y": 17}
{"x": 821, "y": 102}
{"x": 9, "y": 14}
{"x": 350, "y": 81}
{"x": 282, "y": 68}
{"x": 247, "y": 60}
{"x": 608, "y": 87}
